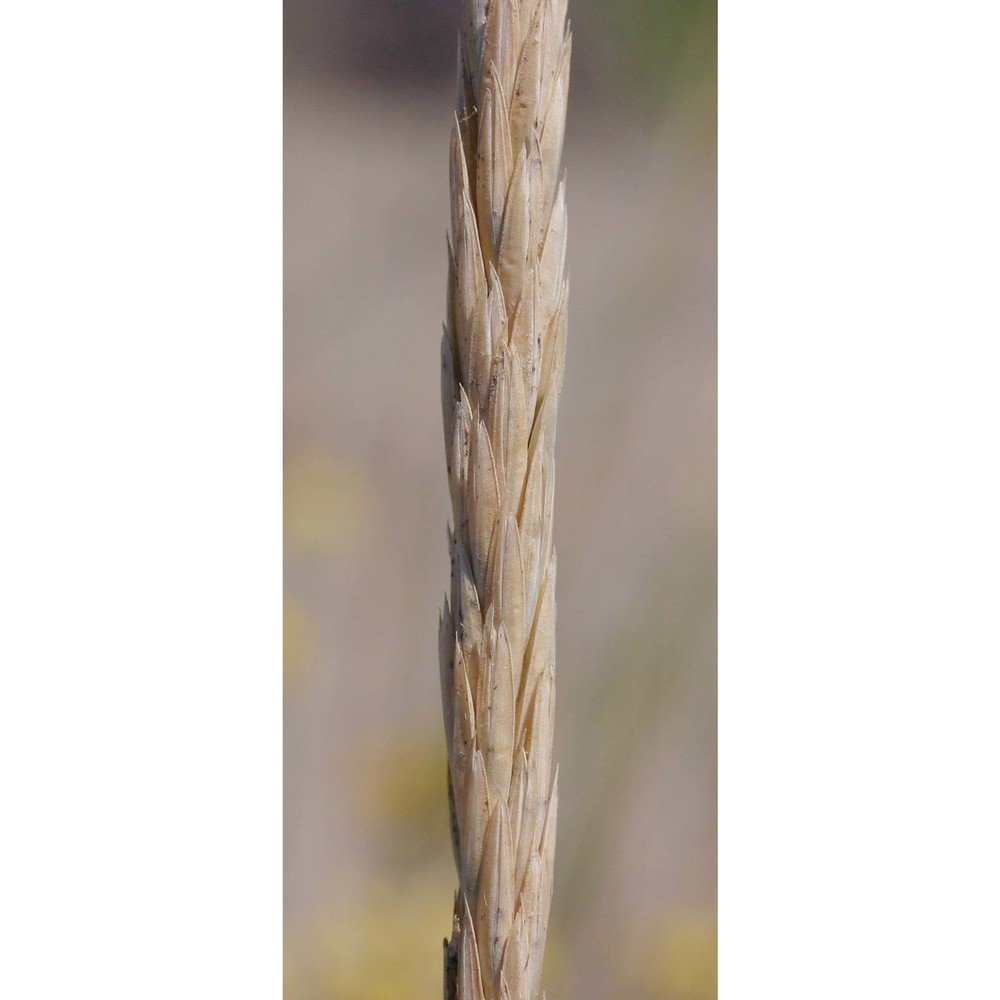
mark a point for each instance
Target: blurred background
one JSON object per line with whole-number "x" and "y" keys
{"x": 369, "y": 877}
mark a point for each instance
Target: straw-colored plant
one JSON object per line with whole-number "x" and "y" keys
{"x": 502, "y": 364}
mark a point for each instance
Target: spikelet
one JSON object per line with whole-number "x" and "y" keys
{"x": 502, "y": 357}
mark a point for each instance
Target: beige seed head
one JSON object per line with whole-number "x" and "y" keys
{"x": 502, "y": 362}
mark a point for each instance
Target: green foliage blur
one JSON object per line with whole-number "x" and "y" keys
{"x": 648, "y": 55}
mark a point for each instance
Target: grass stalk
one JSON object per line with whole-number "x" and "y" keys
{"x": 502, "y": 361}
